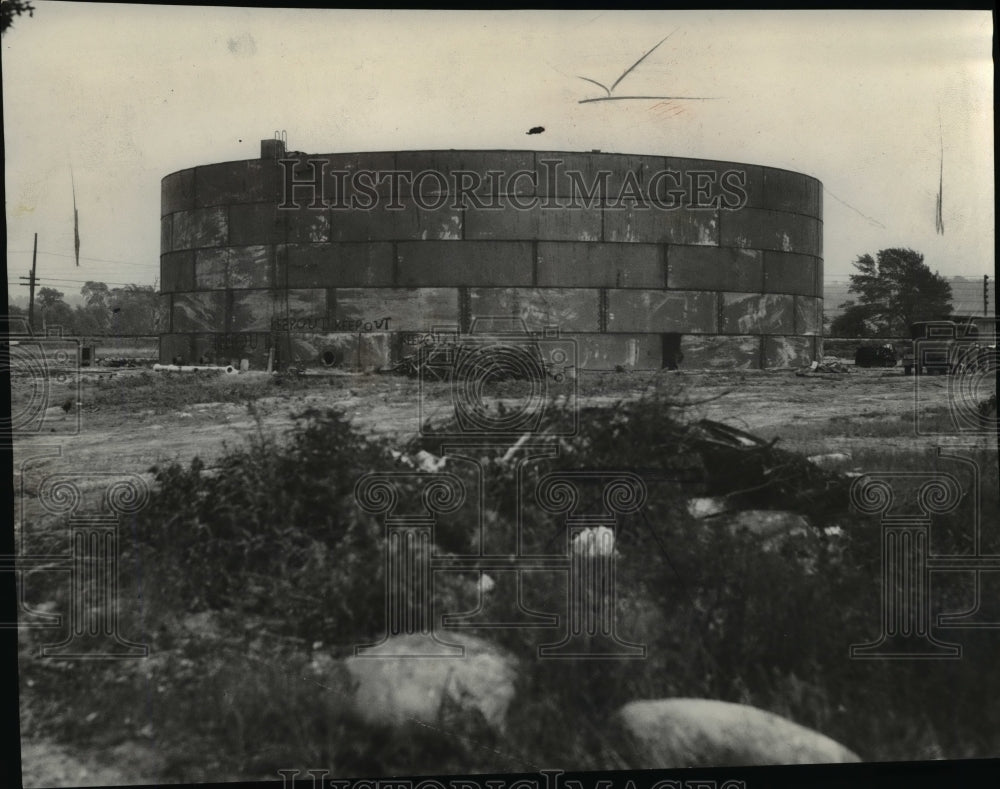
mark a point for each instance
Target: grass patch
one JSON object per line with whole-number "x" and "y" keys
{"x": 166, "y": 392}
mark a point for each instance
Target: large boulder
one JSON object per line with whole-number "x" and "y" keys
{"x": 671, "y": 733}
{"x": 471, "y": 690}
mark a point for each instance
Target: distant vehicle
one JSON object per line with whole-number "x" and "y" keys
{"x": 875, "y": 356}
{"x": 949, "y": 346}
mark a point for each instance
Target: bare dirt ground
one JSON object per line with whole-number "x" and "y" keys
{"x": 831, "y": 414}
{"x": 121, "y": 430}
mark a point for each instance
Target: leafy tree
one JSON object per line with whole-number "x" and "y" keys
{"x": 90, "y": 321}
{"x": 895, "y": 289}
{"x": 855, "y": 321}
{"x": 49, "y": 297}
{"x": 132, "y": 309}
{"x": 11, "y": 8}
{"x": 135, "y": 309}
{"x": 56, "y": 312}
{"x": 96, "y": 294}
{"x": 95, "y": 317}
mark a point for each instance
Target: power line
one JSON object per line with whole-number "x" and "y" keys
{"x": 871, "y": 220}
{"x": 43, "y": 280}
{"x": 83, "y": 257}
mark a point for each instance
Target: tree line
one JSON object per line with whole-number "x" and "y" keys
{"x": 132, "y": 309}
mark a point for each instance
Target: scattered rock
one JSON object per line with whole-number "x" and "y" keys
{"x": 706, "y": 507}
{"x": 672, "y": 733}
{"x": 829, "y": 460}
{"x": 486, "y": 584}
{"x": 770, "y": 524}
{"x": 419, "y": 687}
{"x": 594, "y": 542}
{"x": 428, "y": 462}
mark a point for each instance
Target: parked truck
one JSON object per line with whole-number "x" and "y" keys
{"x": 944, "y": 347}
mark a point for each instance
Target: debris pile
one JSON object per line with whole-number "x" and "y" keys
{"x": 752, "y": 473}
{"x": 828, "y": 368}
{"x": 709, "y": 459}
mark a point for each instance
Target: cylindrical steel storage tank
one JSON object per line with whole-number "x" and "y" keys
{"x": 345, "y": 259}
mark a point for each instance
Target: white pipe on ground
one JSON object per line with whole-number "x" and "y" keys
{"x": 193, "y": 368}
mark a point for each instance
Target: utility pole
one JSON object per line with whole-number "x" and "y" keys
{"x": 31, "y": 287}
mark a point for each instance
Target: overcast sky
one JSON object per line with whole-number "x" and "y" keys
{"x": 860, "y": 100}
